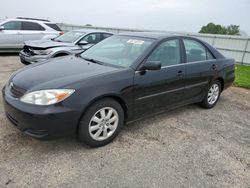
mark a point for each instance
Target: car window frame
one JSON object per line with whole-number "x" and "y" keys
{"x": 201, "y": 43}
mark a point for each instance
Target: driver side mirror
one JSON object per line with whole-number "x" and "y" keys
{"x": 83, "y": 42}
{"x": 151, "y": 65}
{"x": 1, "y": 28}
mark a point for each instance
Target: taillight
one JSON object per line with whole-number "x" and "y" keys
{"x": 61, "y": 33}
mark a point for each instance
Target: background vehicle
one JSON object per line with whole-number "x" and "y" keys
{"x": 72, "y": 42}
{"x": 14, "y": 32}
{"x": 120, "y": 79}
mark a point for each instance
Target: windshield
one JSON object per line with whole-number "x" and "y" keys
{"x": 71, "y": 36}
{"x": 119, "y": 51}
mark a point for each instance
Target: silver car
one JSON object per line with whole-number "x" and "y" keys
{"x": 72, "y": 42}
{"x": 14, "y": 32}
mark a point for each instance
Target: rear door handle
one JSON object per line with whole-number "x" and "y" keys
{"x": 213, "y": 67}
{"x": 180, "y": 73}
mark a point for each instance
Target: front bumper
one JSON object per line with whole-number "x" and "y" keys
{"x": 42, "y": 122}
{"x": 29, "y": 59}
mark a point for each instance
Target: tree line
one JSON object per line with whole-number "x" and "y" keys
{"x": 219, "y": 29}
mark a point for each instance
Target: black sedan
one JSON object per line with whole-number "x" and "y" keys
{"x": 121, "y": 79}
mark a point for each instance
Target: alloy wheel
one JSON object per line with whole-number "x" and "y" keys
{"x": 213, "y": 94}
{"x": 103, "y": 123}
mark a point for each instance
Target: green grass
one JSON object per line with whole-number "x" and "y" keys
{"x": 242, "y": 76}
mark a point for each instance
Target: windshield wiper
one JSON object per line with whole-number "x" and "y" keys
{"x": 92, "y": 60}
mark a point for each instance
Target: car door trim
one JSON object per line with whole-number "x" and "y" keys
{"x": 173, "y": 90}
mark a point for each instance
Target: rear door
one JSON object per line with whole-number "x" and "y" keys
{"x": 201, "y": 67}
{"x": 10, "y": 37}
{"x": 161, "y": 89}
{"x": 32, "y": 31}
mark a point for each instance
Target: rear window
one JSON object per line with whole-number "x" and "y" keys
{"x": 194, "y": 51}
{"x": 53, "y": 26}
{"x": 32, "y": 26}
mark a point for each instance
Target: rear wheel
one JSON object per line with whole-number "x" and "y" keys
{"x": 25, "y": 62}
{"x": 213, "y": 94}
{"x": 101, "y": 123}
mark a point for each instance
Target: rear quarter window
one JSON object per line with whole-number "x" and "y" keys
{"x": 209, "y": 55}
{"x": 53, "y": 26}
{"x": 106, "y": 35}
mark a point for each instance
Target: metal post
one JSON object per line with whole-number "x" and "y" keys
{"x": 245, "y": 51}
{"x": 213, "y": 42}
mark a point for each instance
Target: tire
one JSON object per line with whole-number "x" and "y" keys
{"x": 97, "y": 130}
{"x": 210, "y": 101}
{"x": 25, "y": 62}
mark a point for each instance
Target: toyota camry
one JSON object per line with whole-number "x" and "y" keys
{"x": 119, "y": 80}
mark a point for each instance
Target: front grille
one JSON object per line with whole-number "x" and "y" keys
{"x": 16, "y": 91}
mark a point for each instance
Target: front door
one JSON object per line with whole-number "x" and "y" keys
{"x": 158, "y": 90}
{"x": 10, "y": 37}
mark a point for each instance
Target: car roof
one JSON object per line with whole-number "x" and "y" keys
{"x": 92, "y": 31}
{"x": 152, "y": 35}
{"x": 29, "y": 20}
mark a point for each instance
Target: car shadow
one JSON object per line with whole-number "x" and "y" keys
{"x": 9, "y": 54}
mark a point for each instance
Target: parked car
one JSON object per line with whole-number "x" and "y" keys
{"x": 72, "y": 42}
{"x": 14, "y": 32}
{"x": 121, "y": 79}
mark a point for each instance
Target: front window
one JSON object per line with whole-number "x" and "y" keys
{"x": 71, "y": 36}
{"x": 167, "y": 53}
{"x": 119, "y": 51}
{"x": 12, "y": 25}
{"x": 92, "y": 38}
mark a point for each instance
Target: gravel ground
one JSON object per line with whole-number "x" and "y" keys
{"x": 187, "y": 147}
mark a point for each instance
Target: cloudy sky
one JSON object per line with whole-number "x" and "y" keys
{"x": 171, "y": 15}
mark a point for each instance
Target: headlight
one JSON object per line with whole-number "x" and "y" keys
{"x": 47, "y": 97}
{"x": 42, "y": 52}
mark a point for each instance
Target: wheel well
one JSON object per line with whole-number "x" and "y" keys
{"x": 61, "y": 54}
{"x": 222, "y": 83}
{"x": 116, "y": 98}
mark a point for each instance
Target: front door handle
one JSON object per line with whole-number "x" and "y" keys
{"x": 180, "y": 73}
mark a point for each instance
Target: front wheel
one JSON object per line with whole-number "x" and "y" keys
{"x": 212, "y": 95}
{"x": 101, "y": 123}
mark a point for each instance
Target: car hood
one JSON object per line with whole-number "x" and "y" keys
{"x": 58, "y": 73}
{"x": 47, "y": 44}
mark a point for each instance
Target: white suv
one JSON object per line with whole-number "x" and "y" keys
{"x": 14, "y": 32}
